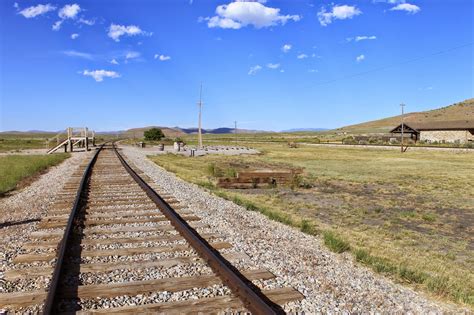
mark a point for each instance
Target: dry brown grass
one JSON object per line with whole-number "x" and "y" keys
{"x": 408, "y": 216}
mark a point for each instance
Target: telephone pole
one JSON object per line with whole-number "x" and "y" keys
{"x": 235, "y": 129}
{"x": 401, "y": 142}
{"x": 199, "y": 124}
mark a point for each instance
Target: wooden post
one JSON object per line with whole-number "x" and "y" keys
{"x": 87, "y": 140}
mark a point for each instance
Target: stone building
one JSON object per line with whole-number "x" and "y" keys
{"x": 456, "y": 131}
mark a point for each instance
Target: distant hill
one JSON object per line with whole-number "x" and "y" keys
{"x": 458, "y": 111}
{"x": 170, "y": 132}
{"x": 222, "y": 130}
{"x": 178, "y": 132}
{"x": 138, "y": 132}
{"x": 304, "y": 129}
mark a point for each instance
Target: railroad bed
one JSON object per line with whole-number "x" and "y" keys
{"x": 127, "y": 247}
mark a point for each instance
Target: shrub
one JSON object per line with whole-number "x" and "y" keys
{"x": 153, "y": 134}
{"x": 334, "y": 242}
{"x": 349, "y": 140}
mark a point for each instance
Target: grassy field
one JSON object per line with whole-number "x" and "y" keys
{"x": 21, "y": 144}
{"x": 19, "y": 169}
{"x": 407, "y": 216}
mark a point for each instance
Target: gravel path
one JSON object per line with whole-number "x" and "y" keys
{"x": 330, "y": 282}
{"x": 21, "y": 211}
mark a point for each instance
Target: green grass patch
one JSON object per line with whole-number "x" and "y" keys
{"x": 429, "y": 217}
{"x": 308, "y": 227}
{"x": 441, "y": 285}
{"x": 335, "y": 242}
{"x": 17, "y": 168}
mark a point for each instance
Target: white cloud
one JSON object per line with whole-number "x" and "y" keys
{"x": 74, "y": 36}
{"x": 282, "y": 70}
{"x": 360, "y": 58}
{"x": 74, "y": 53}
{"x": 39, "y": 9}
{"x": 389, "y": 1}
{"x": 116, "y": 31}
{"x": 286, "y": 48}
{"x": 87, "y": 22}
{"x": 57, "y": 25}
{"x": 162, "y": 57}
{"x": 360, "y": 38}
{"x": 253, "y": 70}
{"x": 302, "y": 56}
{"x": 132, "y": 55}
{"x": 243, "y": 13}
{"x": 312, "y": 70}
{"x": 410, "y": 8}
{"x": 338, "y": 12}
{"x": 216, "y": 21}
{"x": 114, "y": 62}
{"x": 69, "y": 11}
{"x": 99, "y": 75}
{"x": 273, "y": 65}
{"x": 16, "y": 6}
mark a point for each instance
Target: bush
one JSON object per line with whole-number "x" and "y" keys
{"x": 153, "y": 134}
{"x": 334, "y": 242}
{"x": 349, "y": 140}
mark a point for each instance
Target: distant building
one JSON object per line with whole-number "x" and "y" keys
{"x": 456, "y": 131}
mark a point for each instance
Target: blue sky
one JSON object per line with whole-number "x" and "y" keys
{"x": 269, "y": 65}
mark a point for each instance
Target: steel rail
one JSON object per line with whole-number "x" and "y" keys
{"x": 48, "y": 307}
{"x": 252, "y": 298}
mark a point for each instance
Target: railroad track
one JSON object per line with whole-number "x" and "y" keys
{"x": 114, "y": 242}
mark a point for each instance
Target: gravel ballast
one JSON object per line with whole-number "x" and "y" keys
{"x": 330, "y": 282}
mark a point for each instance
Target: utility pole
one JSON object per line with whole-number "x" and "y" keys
{"x": 401, "y": 142}
{"x": 199, "y": 127}
{"x": 235, "y": 129}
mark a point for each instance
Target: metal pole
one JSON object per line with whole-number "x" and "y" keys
{"x": 402, "y": 106}
{"x": 199, "y": 127}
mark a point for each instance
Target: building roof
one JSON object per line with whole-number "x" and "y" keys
{"x": 436, "y": 125}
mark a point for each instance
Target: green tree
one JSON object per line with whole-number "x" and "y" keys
{"x": 153, "y": 134}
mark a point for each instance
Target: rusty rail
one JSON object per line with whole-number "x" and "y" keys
{"x": 252, "y": 298}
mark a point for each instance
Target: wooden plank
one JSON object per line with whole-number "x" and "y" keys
{"x": 33, "y": 272}
{"x": 143, "y": 287}
{"x": 62, "y": 222}
{"x": 132, "y": 213}
{"x": 22, "y": 299}
{"x": 27, "y": 258}
{"x": 97, "y": 230}
{"x": 114, "y": 240}
{"x": 214, "y": 305}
